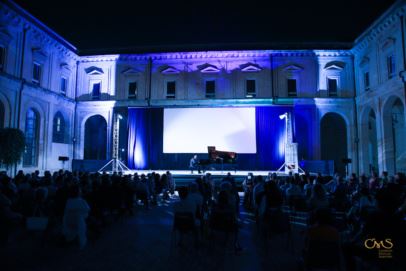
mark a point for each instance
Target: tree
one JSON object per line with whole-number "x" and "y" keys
{"x": 12, "y": 145}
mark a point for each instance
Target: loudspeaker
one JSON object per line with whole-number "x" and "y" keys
{"x": 346, "y": 160}
{"x": 63, "y": 158}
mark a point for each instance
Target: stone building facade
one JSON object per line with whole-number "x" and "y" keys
{"x": 355, "y": 95}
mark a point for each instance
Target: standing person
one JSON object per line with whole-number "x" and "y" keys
{"x": 171, "y": 182}
{"x": 74, "y": 220}
{"x": 142, "y": 191}
{"x": 248, "y": 184}
{"x": 194, "y": 163}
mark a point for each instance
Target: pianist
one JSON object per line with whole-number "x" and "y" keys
{"x": 194, "y": 164}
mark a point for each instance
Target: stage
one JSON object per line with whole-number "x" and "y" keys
{"x": 184, "y": 177}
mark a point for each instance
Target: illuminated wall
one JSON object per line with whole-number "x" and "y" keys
{"x": 80, "y": 87}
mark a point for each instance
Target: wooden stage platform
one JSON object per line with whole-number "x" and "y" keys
{"x": 184, "y": 177}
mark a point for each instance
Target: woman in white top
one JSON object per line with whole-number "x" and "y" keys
{"x": 74, "y": 219}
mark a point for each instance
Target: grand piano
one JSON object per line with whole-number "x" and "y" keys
{"x": 219, "y": 159}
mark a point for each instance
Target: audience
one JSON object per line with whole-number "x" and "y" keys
{"x": 81, "y": 203}
{"x": 318, "y": 198}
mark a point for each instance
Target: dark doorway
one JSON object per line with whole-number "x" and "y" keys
{"x": 334, "y": 140}
{"x": 95, "y": 138}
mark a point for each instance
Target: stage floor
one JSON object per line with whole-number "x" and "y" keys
{"x": 212, "y": 172}
{"x": 184, "y": 177}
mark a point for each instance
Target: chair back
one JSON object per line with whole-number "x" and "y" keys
{"x": 277, "y": 220}
{"x": 184, "y": 221}
{"x": 222, "y": 221}
{"x": 323, "y": 254}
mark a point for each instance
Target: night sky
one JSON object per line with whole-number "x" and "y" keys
{"x": 167, "y": 24}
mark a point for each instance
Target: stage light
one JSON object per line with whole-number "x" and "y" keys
{"x": 116, "y": 164}
{"x": 282, "y": 116}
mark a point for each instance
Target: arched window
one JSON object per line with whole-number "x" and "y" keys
{"x": 394, "y": 133}
{"x": 31, "y": 138}
{"x": 372, "y": 143}
{"x": 58, "y": 131}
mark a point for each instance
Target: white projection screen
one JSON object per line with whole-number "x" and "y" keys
{"x": 192, "y": 130}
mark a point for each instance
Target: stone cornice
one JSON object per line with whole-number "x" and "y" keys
{"x": 390, "y": 17}
{"x": 265, "y": 54}
{"x": 101, "y": 58}
{"x": 333, "y": 53}
{"x": 33, "y": 86}
{"x": 17, "y": 16}
{"x": 48, "y": 92}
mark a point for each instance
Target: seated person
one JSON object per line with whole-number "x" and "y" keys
{"x": 318, "y": 198}
{"x": 194, "y": 164}
{"x": 322, "y": 241}
{"x": 322, "y": 229}
{"x": 195, "y": 196}
{"x": 184, "y": 210}
{"x": 224, "y": 218}
{"x": 384, "y": 223}
{"x": 185, "y": 205}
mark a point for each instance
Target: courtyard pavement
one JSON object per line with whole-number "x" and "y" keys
{"x": 144, "y": 242}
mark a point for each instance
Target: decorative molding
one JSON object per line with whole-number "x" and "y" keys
{"x": 258, "y": 54}
{"x": 335, "y": 65}
{"x": 380, "y": 26}
{"x": 130, "y": 71}
{"x": 99, "y": 58}
{"x": 39, "y": 55}
{"x": 5, "y": 36}
{"x": 292, "y": 68}
{"x": 65, "y": 67}
{"x": 208, "y": 68}
{"x": 250, "y": 67}
{"x": 402, "y": 75}
{"x": 169, "y": 70}
{"x": 94, "y": 70}
{"x": 333, "y": 53}
{"x": 16, "y": 16}
{"x": 388, "y": 43}
{"x": 364, "y": 61}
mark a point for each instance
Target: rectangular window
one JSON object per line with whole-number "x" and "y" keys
{"x": 132, "y": 90}
{"x": 64, "y": 83}
{"x": 366, "y": 81}
{"x": 390, "y": 62}
{"x": 96, "y": 91}
{"x": 292, "y": 90}
{"x": 2, "y": 57}
{"x": 210, "y": 89}
{"x": 36, "y": 73}
{"x": 332, "y": 87}
{"x": 170, "y": 90}
{"x": 251, "y": 90}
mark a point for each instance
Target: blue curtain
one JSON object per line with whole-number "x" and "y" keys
{"x": 304, "y": 130}
{"x": 270, "y": 137}
{"x": 145, "y": 133}
{"x": 137, "y": 136}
